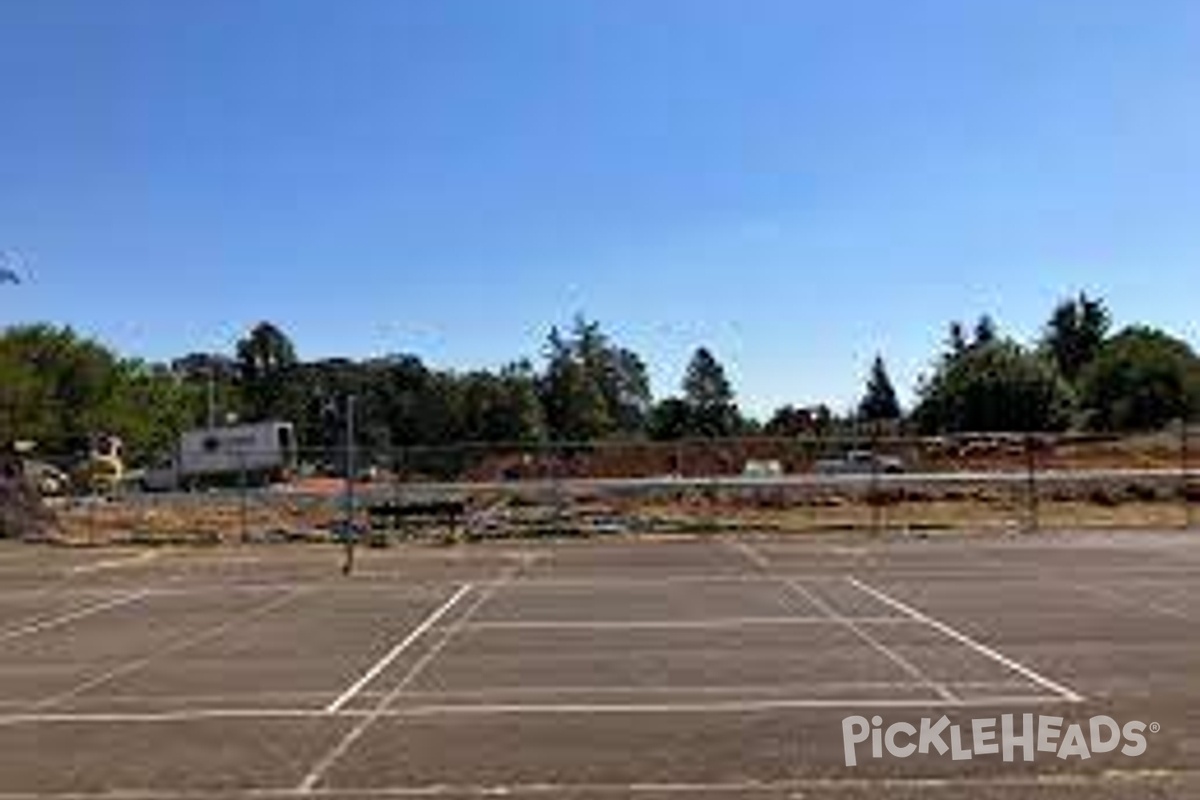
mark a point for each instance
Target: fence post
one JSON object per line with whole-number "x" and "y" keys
{"x": 1031, "y": 488}
{"x": 1185, "y": 478}
{"x": 243, "y": 496}
{"x": 873, "y": 498}
{"x": 398, "y": 466}
{"x": 92, "y": 500}
{"x": 558, "y": 460}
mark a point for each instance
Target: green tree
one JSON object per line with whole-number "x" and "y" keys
{"x": 790, "y": 420}
{"x": 670, "y": 419}
{"x": 54, "y": 386}
{"x": 985, "y": 331}
{"x": 501, "y": 407}
{"x": 997, "y": 386}
{"x": 956, "y": 339}
{"x": 618, "y": 373}
{"x": 574, "y": 405}
{"x": 1141, "y": 379}
{"x": 60, "y": 390}
{"x": 709, "y": 396}
{"x": 148, "y": 407}
{"x": 879, "y": 403}
{"x": 590, "y": 388}
{"x": 265, "y": 358}
{"x": 1075, "y": 333}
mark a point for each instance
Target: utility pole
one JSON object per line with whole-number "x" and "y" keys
{"x": 212, "y": 393}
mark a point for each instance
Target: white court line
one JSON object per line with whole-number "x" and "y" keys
{"x": 962, "y": 638}
{"x": 38, "y": 626}
{"x": 327, "y": 761}
{"x": 708, "y": 707}
{"x": 739, "y": 691}
{"x": 188, "y": 702}
{"x": 371, "y": 674}
{"x": 761, "y": 562}
{"x": 172, "y": 647}
{"x": 673, "y": 624}
{"x": 367, "y": 716}
{"x": 796, "y": 787}
{"x": 535, "y": 584}
{"x": 114, "y": 563}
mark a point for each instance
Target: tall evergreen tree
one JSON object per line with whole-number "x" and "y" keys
{"x": 879, "y": 403}
{"x": 709, "y": 395}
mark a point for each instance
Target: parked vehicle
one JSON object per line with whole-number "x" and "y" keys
{"x": 47, "y": 479}
{"x": 762, "y": 468}
{"x": 256, "y": 453}
{"x": 859, "y": 462}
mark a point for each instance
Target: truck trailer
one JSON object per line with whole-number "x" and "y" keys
{"x": 256, "y": 453}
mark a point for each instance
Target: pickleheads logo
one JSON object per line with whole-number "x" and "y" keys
{"x": 1040, "y": 734}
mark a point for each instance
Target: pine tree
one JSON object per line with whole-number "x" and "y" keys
{"x": 879, "y": 402}
{"x": 709, "y": 395}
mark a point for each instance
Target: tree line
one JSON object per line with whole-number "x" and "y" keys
{"x": 58, "y": 389}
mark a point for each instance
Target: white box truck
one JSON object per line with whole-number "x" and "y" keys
{"x": 261, "y": 452}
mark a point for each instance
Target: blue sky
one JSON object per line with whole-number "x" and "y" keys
{"x": 797, "y": 185}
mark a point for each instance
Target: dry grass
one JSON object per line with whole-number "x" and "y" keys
{"x": 928, "y": 515}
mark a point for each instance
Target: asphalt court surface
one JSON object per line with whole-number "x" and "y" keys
{"x": 707, "y": 667}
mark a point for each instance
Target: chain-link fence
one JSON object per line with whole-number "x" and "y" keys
{"x": 1017, "y": 482}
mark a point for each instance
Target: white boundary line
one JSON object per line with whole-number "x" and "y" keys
{"x": 793, "y": 787}
{"x": 371, "y": 674}
{"x": 759, "y": 560}
{"x": 781, "y": 691}
{"x": 326, "y": 762}
{"x": 672, "y": 624}
{"x": 174, "y": 646}
{"x": 366, "y": 716}
{"x": 114, "y": 563}
{"x": 182, "y": 703}
{"x": 711, "y": 707}
{"x": 38, "y": 626}
{"x": 962, "y": 638}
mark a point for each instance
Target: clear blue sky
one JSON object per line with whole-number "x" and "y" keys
{"x": 796, "y": 184}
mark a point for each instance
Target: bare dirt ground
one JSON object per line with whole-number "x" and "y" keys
{"x": 707, "y": 667}
{"x": 275, "y": 516}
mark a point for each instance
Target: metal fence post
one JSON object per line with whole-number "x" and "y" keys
{"x": 558, "y": 460}
{"x": 1033, "y": 524}
{"x": 243, "y": 496}
{"x": 398, "y": 466}
{"x": 873, "y": 499}
{"x": 1185, "y": 477}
